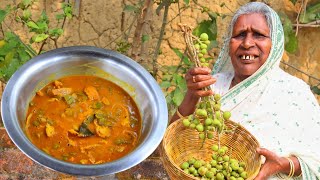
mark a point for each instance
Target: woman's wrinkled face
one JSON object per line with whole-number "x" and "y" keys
{"x": 250, "y": 44}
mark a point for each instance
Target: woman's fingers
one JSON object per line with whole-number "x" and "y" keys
{"x": 199, "y": 78}
{"x": 266, "y": 153}
{"x": 202, "y": 93}
{"x": 199, "y": 70}
{"x": 196, "y": 85}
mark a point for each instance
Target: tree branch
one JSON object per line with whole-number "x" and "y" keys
{"x": 297, "y": 19}
{"x": 126, "y": 35}
{"x": 139, "y": 30}
{"x": 310, "y": 24}
{"x": 1, "y": 28}
{"x": 55, "y": 40}
{"x": 42, "y": 45}
{"x": 147, "y": 21}
{"x": 310, "y": 76}
{"x": 178, "y": 15}
{"x": 64, "y": 19}
{"x": 123, "y": 16}
{"x": 306, "y": 25}
{"x": 163, "y": 26}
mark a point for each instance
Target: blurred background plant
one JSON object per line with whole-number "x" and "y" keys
{"x": 13, "y": 51}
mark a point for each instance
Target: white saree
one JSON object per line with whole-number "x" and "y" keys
{"x": 277, "y": 108}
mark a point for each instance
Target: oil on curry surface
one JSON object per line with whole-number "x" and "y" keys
{"x": 83, "y": 119}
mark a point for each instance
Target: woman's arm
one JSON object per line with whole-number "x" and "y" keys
{"x": 196, "y": 79}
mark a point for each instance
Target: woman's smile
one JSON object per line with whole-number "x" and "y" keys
{"x": 248, "y": 58}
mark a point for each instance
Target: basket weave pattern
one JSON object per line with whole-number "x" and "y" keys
{"x": 180, "y": 144}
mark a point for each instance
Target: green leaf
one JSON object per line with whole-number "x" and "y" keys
{"x": 8, "y": 36}
{"x": 67, "y": 10}
{"x": 286, "y": 23}
{"x": 97, "y": 105}
{"x": 183, "y": 85}
{"x": 186, "y": 2}
{"x": 315, "y": 90}
{"x": 84, "y": 131}
{"x": 55, "y": 32}
{"x": 222, "y": 4}
{"x": 69, "y": 99}
{"x": 44, "y": 17}
{"x": 26, "y": 14}
{"x": 145, "y": 38}
{"x": 32, "y": 25}
{"x": 130, "y": 8}
{"x": 178, "y": 52}
{"x": 7, "y": 59}
{"x": 290, "y": 40}
{"x": 169, "y": 98}
{"x": 213, "y": 44}
{"x": 39, "y": 37}
{"x": 3, "y": 13}
{"x": 184, "y": 58}
{"x": 13, "y": 54}
{"x": 294, "y": 1}
{"x": 311, "y": 13}
{"x": 177, "y": 97}
{"x": 207, "y": 26}
{"x": 43, "y": 27}
{"x": 291, "y": 44}
{"x": 165, "y": 84}
{"x": 69, "y": 15}
{"x": 23, "y": 55}
{"x": 171, "y": 69}
{"x": 213, "y": 15}
{"x": 60, "y": 16}
{"x": 8, "y": 47}
{"x": 181, "y": 82}
{"x": 175, "y": 78}
{"x": 27, "y": 3}
{"x": 166, "y": 77}
{"x": 89, "y": 119}
{"x": 7, "y": 71}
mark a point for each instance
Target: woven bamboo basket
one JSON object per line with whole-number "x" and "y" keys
{"x": 180, "y": 144}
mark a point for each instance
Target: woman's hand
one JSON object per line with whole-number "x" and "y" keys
{"x": 198, "y": 78}
{"x": 273, "y": 164}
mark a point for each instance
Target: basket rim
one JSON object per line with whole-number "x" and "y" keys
{"x": 195, "y": 178}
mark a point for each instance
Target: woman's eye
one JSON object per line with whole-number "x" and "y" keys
{"x": 259, "y": 35}
{"x": 241, "y": 35}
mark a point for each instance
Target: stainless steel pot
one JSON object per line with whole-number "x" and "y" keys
{"x": 85, "y": 60}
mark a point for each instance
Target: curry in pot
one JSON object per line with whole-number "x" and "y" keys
{"x": 83, "y": 119}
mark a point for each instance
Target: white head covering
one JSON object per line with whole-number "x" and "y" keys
{"x": 224, "y": 65}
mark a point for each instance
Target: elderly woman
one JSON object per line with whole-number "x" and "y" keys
{"x": 277, "y": 108}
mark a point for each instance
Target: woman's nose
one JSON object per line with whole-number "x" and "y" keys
{"x": 248, "y": 41}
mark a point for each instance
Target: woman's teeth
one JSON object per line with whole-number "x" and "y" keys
{"x": 248, "y": 57}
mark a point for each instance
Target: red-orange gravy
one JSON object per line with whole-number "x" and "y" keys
{"x": 83, "y": 119}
